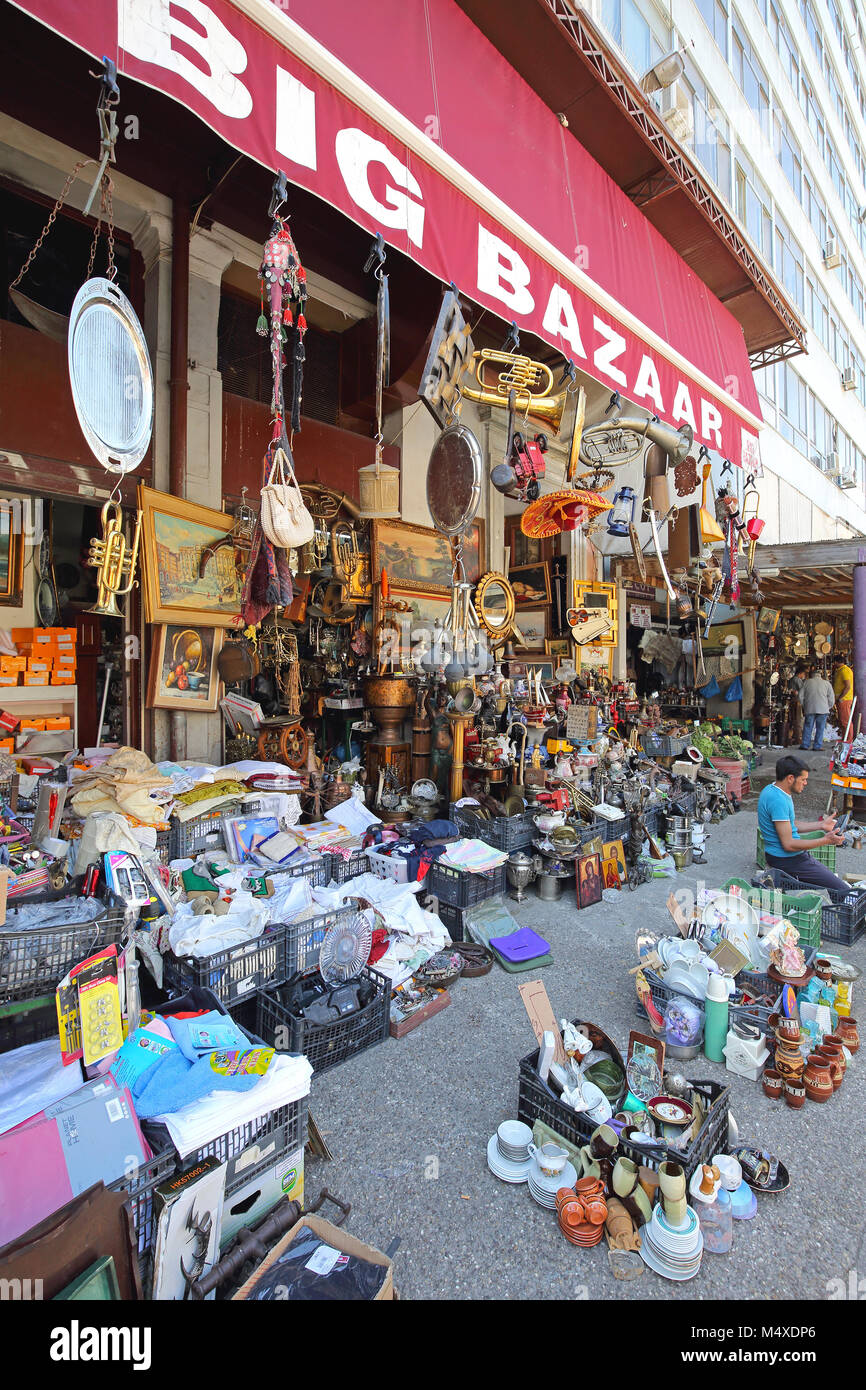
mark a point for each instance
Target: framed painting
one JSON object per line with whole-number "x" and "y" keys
{"x": 542, "y": 664}
{"x": 174, "y": 535}
{"x": 563, "y": 647}
{"x": 418, "y": 558}
{"x": 613, "y": 866}
{"x": 183, "y": 672}
{"x": 531, "y": 584}
{"x": 424, "y": 610}
{"x": 589, "y": 883}
{"x": 532, "y": 625}
{"x": 11, "y": 556}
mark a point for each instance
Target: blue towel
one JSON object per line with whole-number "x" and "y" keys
{"x": 174, "y": 1082}
{"x": 207, "y": 1033}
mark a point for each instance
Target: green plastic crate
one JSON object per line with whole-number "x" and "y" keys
{"x": 802, "y": 909}
{"x": 825, "y": 854}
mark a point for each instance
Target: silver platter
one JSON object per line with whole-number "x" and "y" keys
{"x": 110, "y": 376}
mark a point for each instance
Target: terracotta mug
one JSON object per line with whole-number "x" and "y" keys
{"x": 788, "y": 1030}
{"x": 846, "y": 1029}
{"x": 835, "y": 1063}
{"x": 817, "y": 1079}
{"x": 823, "y": 969}
{"x": 772, "y": 1084}
{"x": 795, "y": 1094}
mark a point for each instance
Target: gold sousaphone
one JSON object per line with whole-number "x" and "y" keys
{"x": 499, "y": 373}
{"x": 114, "y": 563}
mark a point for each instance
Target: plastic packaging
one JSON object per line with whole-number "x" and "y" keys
{"x": 717, "y": 1223}
{"x": 684, "y": 1023}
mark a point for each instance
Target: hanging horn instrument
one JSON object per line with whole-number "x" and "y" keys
{"x": 499, "y": 373}
{"x": 108, "y": 555}
{"x": 621, "y": 438}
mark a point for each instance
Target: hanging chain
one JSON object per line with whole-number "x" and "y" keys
{"x": 82, "y": 164}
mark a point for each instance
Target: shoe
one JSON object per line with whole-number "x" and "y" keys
{"x": 804, "y": 749}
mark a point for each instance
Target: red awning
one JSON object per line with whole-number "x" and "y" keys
{"x": 459, "y": 164}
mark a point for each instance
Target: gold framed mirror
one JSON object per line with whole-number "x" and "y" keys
{"x": 495, "y": 606}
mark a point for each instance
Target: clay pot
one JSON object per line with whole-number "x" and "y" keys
{"x": 846, "y": 1029}
{"x": 817, "y": 1079}
{"x": 772, "y": 1084}
{"x": 795, "y": 1094}
{"x": 823, "y": 969}
{"x": 789, "y": 1065}
{"x": 788, "y": 1030}
{"x": 833, "y": 1055}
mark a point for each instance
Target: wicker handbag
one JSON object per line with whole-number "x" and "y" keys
{"x": 285, "y": 519}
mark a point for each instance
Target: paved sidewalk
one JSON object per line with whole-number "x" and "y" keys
{"x": 408, "y": 1123}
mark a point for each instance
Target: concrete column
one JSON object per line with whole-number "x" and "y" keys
{"x": 151, "y": 237}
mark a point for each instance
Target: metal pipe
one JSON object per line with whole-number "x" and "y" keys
{"x": 859, "y": 625}
{"x": 178, "y": 383}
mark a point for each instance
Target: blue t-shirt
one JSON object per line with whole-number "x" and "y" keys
{"x": 773, "y": 805}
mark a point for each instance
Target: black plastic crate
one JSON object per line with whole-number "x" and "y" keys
{"x": 662, "y": 745}
{"x": 453, "y": 919}
{"x": 34, "y": 961}
{"x": 508, "y": 833}
{"x": 139, "y": 1187}
{"x": 198, "y": 833}
{"x": 327, "y": 1045}
{"x": 20, "y": 1027}
{"x": 843, "y": 919}
{"x": 537, "y": 1102}
{"x": 341, "y": 870}
{"x": 458, "y": 888}
{"x": 235, "y": 974}
{"x": 610, "y": 830}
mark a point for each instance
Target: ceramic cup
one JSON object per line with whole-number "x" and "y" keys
{"x": 604, "y": 1142}
{"x": 795, "y": 1094}
{"x": 846, "y": 1029}
{"x": 789, "y": 1029}
{"x": 772, "y": 1084}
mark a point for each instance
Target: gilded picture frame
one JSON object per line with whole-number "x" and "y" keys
{"x": 173, "y": 534}
{"x": 418, "y": 558}
{"x": 183, "y": 673}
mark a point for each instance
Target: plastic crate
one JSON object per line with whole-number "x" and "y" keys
{"x": 801, "y": 907}
{"x": 843, "y": 919}
{"x": 611, "y": 830}
{"x": 461, "y": 889}
{"x": 662, "y": 994}
{"x": 21, "y": 1026}
{"x": 140, "y": 1188}
{"x": 235, "y": 974}
{"x": 662, "y": 745}
{"x": 758, "y": 983}
{"x": 453, "y": 919}
{"x": 825, "y": 854}
{"x": 401, "y": 868}
{"x": 327, "y": 1045}
{"x": 189, "y": 837}
{"x": 535, "y": 1101}
{"x": 341, "y": 870}
{"x": 163, "y": 845}
{"x": 508, "y": 833}
{"x": 33, "y": 962}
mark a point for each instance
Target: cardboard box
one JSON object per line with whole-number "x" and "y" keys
{"x": 63, "y": 636}
{"x": 35, "y": 677}
{"x": 65, "y": 656}
{"x": 338, "y": 1240}
{"x": 35, "y": 724}
{"x": 64, "y": 677}
{"x": 10, "y": 664}
{"x": 7, "y": 745}
{"x": 253, "y": 1199}
{"x": 9, "y": 721}
{"x": 10, "y": 680}
{"x": 57, "y": 723}
{"x": 39, "y": 664}
{"x": 42, "y": 637}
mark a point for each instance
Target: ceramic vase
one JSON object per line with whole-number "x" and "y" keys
{"x": 672, "y": 1181}
{"x": 846, "y": 1029}
{"x": 817, "y": 1079}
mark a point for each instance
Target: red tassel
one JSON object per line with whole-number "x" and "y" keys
{"x": 287, "y": 317}
{"x": 302, "y": 325}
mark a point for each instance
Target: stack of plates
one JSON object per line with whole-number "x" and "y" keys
{"x": 675, "y": 1252}
{"x": 544, "y": 1189}
{"x": 508, "y": 1152}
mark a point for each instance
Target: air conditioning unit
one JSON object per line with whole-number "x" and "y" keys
{"x": 675, "y": 109}
{"x": 849, "y": 379}
{"x": 832, "y": 254}
{"x": 830, "y": 464}
{"x": 848, "y": 478}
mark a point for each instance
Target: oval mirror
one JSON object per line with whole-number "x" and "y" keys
{"x": 110, "y": 375}
{"x": 454, "y": 480}
{"x": 494, "y": 605}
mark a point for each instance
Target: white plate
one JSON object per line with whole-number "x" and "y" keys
{"x": 504, "y": 1168}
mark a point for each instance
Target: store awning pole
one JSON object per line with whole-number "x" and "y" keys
{"x": 860, "y": 634}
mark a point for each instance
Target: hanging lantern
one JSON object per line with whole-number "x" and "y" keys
{"x": 621, "y": 514}
{"x": 379, "y": 486}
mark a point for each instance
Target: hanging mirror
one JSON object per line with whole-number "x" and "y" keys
{"x": 495, "y": 606}
{"x": 454, "y": 480}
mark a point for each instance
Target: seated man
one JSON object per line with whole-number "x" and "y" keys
{"x": 781, "y": 832}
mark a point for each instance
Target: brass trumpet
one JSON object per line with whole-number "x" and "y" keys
{"x": 499, "y": 373}
{"x": 108, "y": 555}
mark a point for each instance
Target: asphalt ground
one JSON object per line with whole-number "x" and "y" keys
{"x": 408, "y": 1122}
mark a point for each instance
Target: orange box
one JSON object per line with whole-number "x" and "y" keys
{"x": 65, "y": 656}
{"x": 9, "y": 680}
{"x": 43, "y": 637}
{"x": 35, "y": 724}
{"x": 22, "y": 634}
{"x": 35, "y": 677}
{"x": 55, "y": 723}
{"x": 7, "y": 745}
{"x": 63, "y": 636}
{"x": 35, "y": 666}
{"x": 61, "y": 678}
{"x": 10, "y": 664}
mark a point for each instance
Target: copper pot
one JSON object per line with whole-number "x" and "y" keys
{"x": 388, "y": 699}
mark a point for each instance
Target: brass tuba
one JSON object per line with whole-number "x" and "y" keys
{"x": 108, "y": 555}
{"x": 499, "y": 373}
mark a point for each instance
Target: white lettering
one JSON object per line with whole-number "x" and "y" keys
{"x": 683, "y": 408}
{"x": 603, "y": 356}
{"x": 560, "y": 319}
{"x": 102, "y": 1344}
{"x": 648, "y": 386}
{"x": 296, "y": 120}
{"x": 59, "y": 1349}
{"x": 146, "y": 31}
{"x": 356, "y": 151}
{"x": 502, "y": 273}
{"x": 88, "y": 1344}
{"x": 711, "y": 423}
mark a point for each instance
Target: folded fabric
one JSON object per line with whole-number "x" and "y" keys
{"x": 210, "y": 1032}
{"x": 286, "y": 1080}
{"x": 434, "y": 830}
{"x": 175, "y": 1083}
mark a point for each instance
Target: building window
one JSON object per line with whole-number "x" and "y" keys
{"x": 631, "y": 30}
{"x": 715, "y": 12}
{"x": 750, "y": 76}
{"x": 753, "y": 207}
{"x": 788, "y": 155}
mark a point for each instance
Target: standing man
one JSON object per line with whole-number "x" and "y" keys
{"x": 817, "y": 698}
{"x": 781, "y": 832}
{"x": 801, "y": 671}
{"x": 843, "y": 687}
